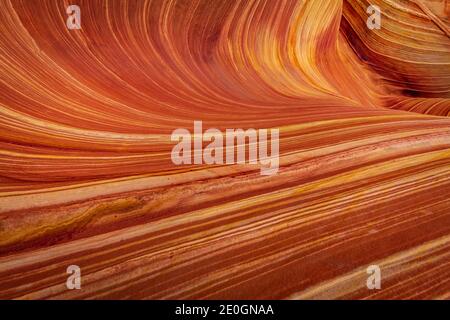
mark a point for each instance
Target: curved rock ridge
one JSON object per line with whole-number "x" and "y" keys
{"x": 86, "y": 176}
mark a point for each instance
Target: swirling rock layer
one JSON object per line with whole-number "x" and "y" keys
{"x": 86, "y": 176}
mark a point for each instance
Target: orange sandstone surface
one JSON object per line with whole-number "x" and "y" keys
{"x": 86, "y": 176}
